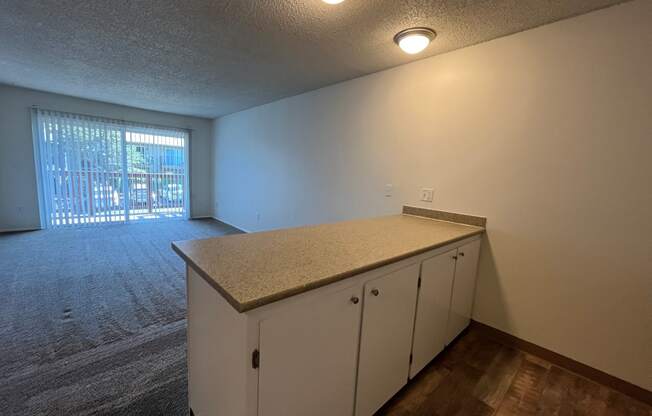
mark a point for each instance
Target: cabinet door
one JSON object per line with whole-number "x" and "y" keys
{"x": 308, "y": 357}
{"x": 386, "y": 338}
{"x": 433, "y": 303}
{"x": 463, "y": 289}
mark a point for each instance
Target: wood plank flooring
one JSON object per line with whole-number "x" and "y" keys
{"x": 477, "y": 376}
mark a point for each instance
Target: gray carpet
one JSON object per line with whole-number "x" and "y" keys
{"x": 92, "y": 320}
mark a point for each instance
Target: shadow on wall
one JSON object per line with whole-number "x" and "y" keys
{"x": 494, "y": 311}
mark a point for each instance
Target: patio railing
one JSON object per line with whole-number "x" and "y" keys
{"x": 93, "y": 196}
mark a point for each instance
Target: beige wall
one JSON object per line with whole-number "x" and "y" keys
{"x": 18, "y": 196}
{"x": 548, "y": 133}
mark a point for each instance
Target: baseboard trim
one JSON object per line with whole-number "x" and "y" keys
{"x": 625, "y": 387}
{"x": 210, "y": 217}
{"x": 18, "y": 230}
{"x": 231, "y": 225}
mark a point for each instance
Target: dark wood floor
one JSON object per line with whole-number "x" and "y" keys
{"x": 477, "y": 376}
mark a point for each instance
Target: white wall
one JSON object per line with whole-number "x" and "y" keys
{"x": 547, "y": 132}
{"x": 18, "y": 196}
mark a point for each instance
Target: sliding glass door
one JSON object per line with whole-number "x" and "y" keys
{"x": 157, "y": 173}
{"x": 95, "y": 171}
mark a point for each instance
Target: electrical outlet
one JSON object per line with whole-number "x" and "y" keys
{"x": 427, "y": 194}
{"x": 388, "y": 190}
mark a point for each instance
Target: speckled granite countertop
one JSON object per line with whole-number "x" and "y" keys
{"x": 251, "y": 270}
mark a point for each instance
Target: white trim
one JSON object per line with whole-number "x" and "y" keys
{"x": 211, "y": 217}
{"x": 231, "y": 225}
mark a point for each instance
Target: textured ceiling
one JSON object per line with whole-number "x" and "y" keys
{"x": 210, "y": 58}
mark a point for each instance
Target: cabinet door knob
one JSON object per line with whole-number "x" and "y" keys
{"x": 461, "y": 254}
{"x": 375, "y": 292}
{"x": 354, "y": 300}
{"x": 454, "y": 257}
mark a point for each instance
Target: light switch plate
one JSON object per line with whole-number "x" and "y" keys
{"x": 427, "y": 194}
{"x": 388, "y": 190}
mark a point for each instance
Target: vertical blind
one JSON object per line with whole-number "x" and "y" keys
{"x": 96, "y": 170}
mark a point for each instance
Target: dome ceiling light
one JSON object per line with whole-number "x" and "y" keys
{"x": 333, "y": 1}
{"x": 415, "y": 39}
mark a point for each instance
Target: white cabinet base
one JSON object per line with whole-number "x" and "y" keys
{"x": 217, "y": 352}
{"x": 432, "y": 309}
{"x": 386, "y": 338}
{"x": 461, "y": 307}
{"x": 320, "y": 352}
{"x": 309, "y": 355}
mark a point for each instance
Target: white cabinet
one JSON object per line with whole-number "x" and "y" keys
{"x": 432, "y": 309}
{"x": 308, "y": 357}
{"x": 461, "y": 306}
{"x": 341, "y": 349}
{"x": 386, "y": 338}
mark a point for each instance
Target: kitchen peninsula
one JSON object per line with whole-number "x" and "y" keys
{"x": 330, "y": 319}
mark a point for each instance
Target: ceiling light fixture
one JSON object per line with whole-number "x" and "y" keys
{"x": 333, "y": 1}
{"x": 415, "y": 39}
